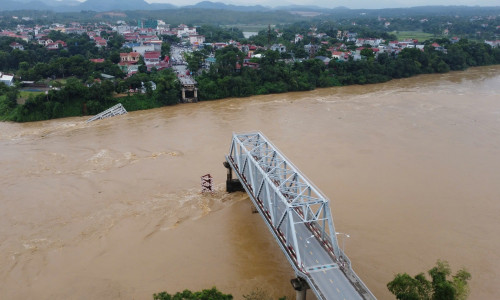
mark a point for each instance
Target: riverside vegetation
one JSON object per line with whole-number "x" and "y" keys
{"x": 85, "y": 92}
{"x": 403, "y": 286}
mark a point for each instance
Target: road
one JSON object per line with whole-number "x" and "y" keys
{"x": 179, "y": 65}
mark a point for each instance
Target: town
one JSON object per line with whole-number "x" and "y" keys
{"x": 130, "y": 54}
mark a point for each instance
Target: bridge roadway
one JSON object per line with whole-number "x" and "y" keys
{"x": 328, "y": 280}
{"x": 298, "y": 216}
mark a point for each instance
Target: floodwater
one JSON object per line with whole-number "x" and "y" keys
{"x": 113, "y": 209}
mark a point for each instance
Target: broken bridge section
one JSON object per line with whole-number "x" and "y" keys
{"x": 110, "y": 112}
{"x": 297, "y": 214}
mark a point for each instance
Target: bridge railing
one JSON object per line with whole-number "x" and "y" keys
{"x": 287, "y": 196}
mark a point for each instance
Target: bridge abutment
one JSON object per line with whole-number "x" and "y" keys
{"x": 300, "y": 286}
{"x": 232, "y": 185}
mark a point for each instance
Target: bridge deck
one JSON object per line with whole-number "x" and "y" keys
{"x": 297, "y": 215}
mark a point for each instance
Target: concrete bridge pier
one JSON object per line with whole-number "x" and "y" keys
{"x": 301, "y": 287}
{"x": 232, "y": 185}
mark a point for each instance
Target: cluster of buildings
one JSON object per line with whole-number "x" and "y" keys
{"x": 144, "y": 42}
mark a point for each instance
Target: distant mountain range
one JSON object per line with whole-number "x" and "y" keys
{"x": 72, "y": 6}
{"x": 123, "y": 5}
{"x": 138, "y": 5}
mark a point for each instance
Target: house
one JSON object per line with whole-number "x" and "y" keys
{"x": 438, "y": 47}
{"x": 146, "y": 38}
{"x": 142, "y": 48}
{"x": 340, "y": 56}
{"x": 162, "y": 64}
{"x": 371, "y": 41}
{"x": 209, "y": 61}
{"x": 45, "y": 41}
{"x": 298, "y": 38}
{"x": 251, "y": 65}
{"x": 311, "y": 48}
{"x": 218, "y": 46}
{"x": 97, "y": 60}
{"x": 278, "y": 47}
{"x": 100, "y": 42}
{"x": 248, "y": 49}
{"x": 152, "y": 57}
{"x": 129, "y": 58}
{"x": 16, "y": 45}
{"x": 196, "y": 39}
{"x": 75, "y": 30}
{"x": 131, "y": 45}
{"x": 184, "y": 30}
{"x": 351, "y": 36}
{"x": 56, "y": 45}
{"x": 6, "y": 79}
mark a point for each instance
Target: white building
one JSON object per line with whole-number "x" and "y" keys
{"x": 183, "y": 30}
{"x": 196, "y": 39}
{"x": 7, "y": 79}
{"x": 279, "y": 47}
{"x": 141, "y": 49}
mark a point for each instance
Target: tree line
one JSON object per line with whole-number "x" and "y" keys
{"x": 275, "y": 75}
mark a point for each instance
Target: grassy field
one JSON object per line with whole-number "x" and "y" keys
{"x": 26, "y": 94}
{"x": 419, "y": 35}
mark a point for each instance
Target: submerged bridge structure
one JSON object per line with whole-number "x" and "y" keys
{"x": 298, "y": 216}
{"x": 116, "y": 110}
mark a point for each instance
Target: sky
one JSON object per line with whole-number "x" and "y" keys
{"x": 354, "y": 4}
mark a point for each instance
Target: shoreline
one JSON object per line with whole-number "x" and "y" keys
{"x": 291, "y": 92}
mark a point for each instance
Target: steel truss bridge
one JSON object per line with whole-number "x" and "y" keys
{"x": 297, "y": 214}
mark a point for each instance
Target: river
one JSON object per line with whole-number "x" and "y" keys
{"x": 113, "y": 210}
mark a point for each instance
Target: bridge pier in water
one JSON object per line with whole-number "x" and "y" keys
{"x": 232, "y": 185}
{"x": 300, "y": 286}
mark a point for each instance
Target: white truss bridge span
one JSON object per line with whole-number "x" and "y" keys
{"x": 297, "y": 214}
{"x": 110, "y": 112}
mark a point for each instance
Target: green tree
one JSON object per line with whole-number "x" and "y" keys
{"x": 368, "y": 53}
{"x": 11, "y": 97}
{"x": 194, "y": 60}
{"x": 211, "y": 294}
{"x": 405, "y": 287}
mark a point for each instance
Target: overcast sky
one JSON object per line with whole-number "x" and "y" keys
{"x": 346, "y": 3}
{"x": 335, "y": 3}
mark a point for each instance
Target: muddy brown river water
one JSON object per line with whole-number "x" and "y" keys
{"x": 113, "y": 209}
